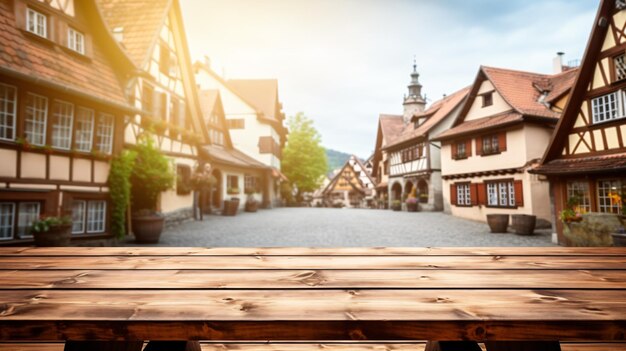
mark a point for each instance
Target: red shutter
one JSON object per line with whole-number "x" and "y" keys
{"x": 468, "y": 148}
{"x": 502, "y": 141}
{"x": 453, "y": 194}
{"x": 454, "y": 150}
{"x": 519, "y": 193}
{"x": 479, "y": 146}
{"x": 474, "y": 194}
{"x": 482, "y": 194}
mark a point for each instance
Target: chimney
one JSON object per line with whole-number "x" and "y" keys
{"x": 557, "y": 63}
{"x": 118, "y": 34}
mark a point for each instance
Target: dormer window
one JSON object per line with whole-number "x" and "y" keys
{"x": 487, "y": 99}
{"x": 76, "y": 41}
{"x": 37, "y": 23}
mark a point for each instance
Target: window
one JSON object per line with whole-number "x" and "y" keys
{"x": 461, "y": 151}
{"x": 28, "y": 213}
{"x": 490, "y": 144}
{"x": 619, "y": 62}
{"x": 8, "y": 108}
{"x": 605, "y": 107}
{"x": 501, "y": 194}
{"x": 76, "y": 41}
{"x": 62, "y": 119}
{"x": 232, "y": 184}
{"x": 104, "y": 133}
{"x": 164, "y": 58}
{"x": 251, "y": 184}
{"x": 36, "y": 23}
{"x": 183, "y": 179}
{"x": 238, "y": 123}
{"x": 96, "y": 215}
{"x": 36, "y": 116}
{"x": 487, "y": 99}
{"x": 78, "y": 217}
{"x": 7, "y": 217}
{"x": 610, "y": 195}
{"x": 147, "y": 98}
{"x": 83, "y": 136}
{"x": 578, "y": 196}
{"x": 463, "y": 195}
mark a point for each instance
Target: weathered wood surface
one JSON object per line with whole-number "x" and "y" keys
{"x": 308, "y": 251}
{"x": 312, "y": 279}
{"x": 308, "y": 294}
{"x": 315, "y": 262}
{"x": 315, "y": 347}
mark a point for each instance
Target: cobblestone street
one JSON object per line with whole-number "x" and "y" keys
{"x": 323, "y": 227}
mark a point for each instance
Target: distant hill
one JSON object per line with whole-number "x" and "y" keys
{"x": 336, "y": 159}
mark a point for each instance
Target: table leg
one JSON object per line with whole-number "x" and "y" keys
{"x": 173, "y": 346}
{"x": 103, "y": 345}
{"x": 452, "y": 346}
{"x": 523, "y": 346}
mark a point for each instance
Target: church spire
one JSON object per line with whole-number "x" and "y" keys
{"x": 414, "y": 102}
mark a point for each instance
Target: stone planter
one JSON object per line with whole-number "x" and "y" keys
{"x": 56, "y": 236}
{"x": 595, "y": 229}
{"x": 412, "y": 207}
{"x": 523, "y": 224}
{"x": 498, "y": 222}
{"x": 619, "y": 239}
{"x": 147, "y": 229}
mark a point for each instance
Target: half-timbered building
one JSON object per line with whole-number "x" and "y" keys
{"x": 500, "y": 134}
{"x": 62, "y": 111}
{"x": 414, "y": 159}
{"x": 586, "y": 160}
{"x": 350, "y": 187}
{"x": 151, "y": 34}
{"x": 389, "y": 128}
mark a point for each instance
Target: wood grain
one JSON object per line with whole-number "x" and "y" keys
{"x": 307, "y": 251}
{"x": 314, "y": 262}
{"x": 312, "y": 279}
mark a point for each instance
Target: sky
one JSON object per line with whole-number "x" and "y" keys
{"x": 344, "y": 62}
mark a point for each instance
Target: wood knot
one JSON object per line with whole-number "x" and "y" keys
{"x": 443, "y": 300}
{"x": 357, "y": 334}
{"x": 247, "y": 307}
{"x": 497, "y": 258}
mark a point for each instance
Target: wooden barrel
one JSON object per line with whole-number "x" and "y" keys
{"x": 498, "y": 222}
{"x": 524, "y": 224}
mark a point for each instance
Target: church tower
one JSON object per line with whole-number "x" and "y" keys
{"x": 414, "y": 102}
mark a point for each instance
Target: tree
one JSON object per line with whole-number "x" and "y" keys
{"x": 304, "y": 158}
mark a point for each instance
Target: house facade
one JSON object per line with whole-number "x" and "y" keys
{"x": 254, "y": 119}
{"x": 59, "y": 126}
{"x": 414, "y": 159}
{"x": 350, "y": 187}
{"x": 586, "y": 160}
{"x": 500, "y": 134}
{"x": 389, "y": 128}
{"x": 152, "y": 35}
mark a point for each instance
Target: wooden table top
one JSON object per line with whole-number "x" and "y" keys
{"x": 313, "y": 294}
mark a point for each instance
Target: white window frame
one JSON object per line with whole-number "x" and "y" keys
{"x": 76, "y": 40}
{"x": 8, "y": 118}
{"x": 36, "y": 23}
{"x": 580, "y": 187}
{"x": 63, "y": 125}
{"x": 83, "y": 134}
{"x": 463, "y": 194}
{"x": 601, "y": 110}
{"x": 79, "y": 218}
{"x": 501, "y": 193}
{"x": 99, "y": 223}
{"x": 604, "y": 188}
{"x": 30, "y": 217}
{"x": 37, "y": 118}
{"x": 105, "y": 130}
{"x": 10, "y": 225}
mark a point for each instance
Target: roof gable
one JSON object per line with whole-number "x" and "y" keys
{"x": 211, "y": 105}
{"x": 347, "y": 173}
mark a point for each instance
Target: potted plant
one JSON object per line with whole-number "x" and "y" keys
{"x": 252, "y": 204}
{"x": 52, "y": 231}
{"x": 498, "y": 223}
{"x": 151, "y": 175}
{"x": 396, "y": 205}
{"x": 411, "y": 204}
{"x": 423, "y": 198}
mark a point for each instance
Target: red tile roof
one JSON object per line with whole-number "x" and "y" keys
{"x": 391, "y": 127}
{"x": 438, "y": 111}
{"x": 262, "y": 93}
{"x": 140, "y": 21}
{"x": 232, "y": 157}
{"x": 486, "y": 123}
{"x": 584, "y": 165}
{"x": 561, "y": 84}
{"x": 22, "y": 55}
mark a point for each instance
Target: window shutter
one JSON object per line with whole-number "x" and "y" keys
{"x": 454, "y": 150}
{"x": 474, "y": 193}
{"x": 479, "y": 145}
{"x": 519, "y": 193}
{"x": 481, "y": 193}
{"x": 156, "y": 104}
{"x": 453, "y": 194}
{"x": 502, "y": 141}
{"x": 468, "y": 148}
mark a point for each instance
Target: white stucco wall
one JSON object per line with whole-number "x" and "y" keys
{"x": 478, "y": 111}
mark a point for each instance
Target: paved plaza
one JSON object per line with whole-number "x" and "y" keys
{"x": 326, "y": 227}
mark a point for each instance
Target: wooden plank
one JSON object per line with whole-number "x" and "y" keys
{"x": 314, "y": 262}
{"x": 304, "y": 251}
{"x": 312, "y": 279}
{"x": 311, "y": 305}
